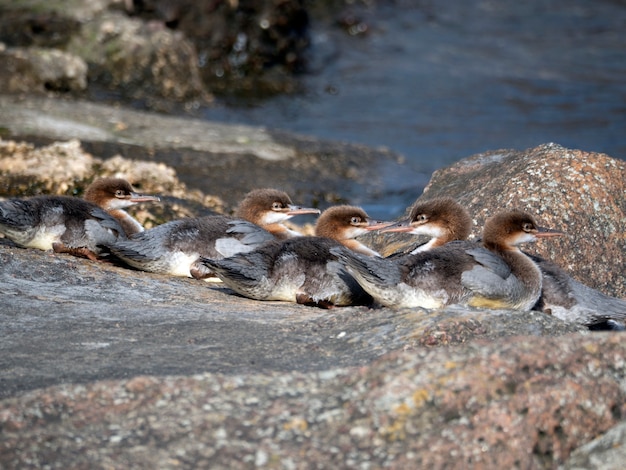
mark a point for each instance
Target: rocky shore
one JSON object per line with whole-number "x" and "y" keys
{"x": 108, "y": 367}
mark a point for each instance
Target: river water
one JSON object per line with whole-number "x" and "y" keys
{"x": 440, "y": 80}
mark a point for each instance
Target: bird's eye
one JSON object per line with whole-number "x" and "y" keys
{"x": 422, "y": 218}
{"x": 355, "y": 220}
{"x": 119, "y": 193}
{"x": 528, "y": 227}
{"x": 277, "y": 206}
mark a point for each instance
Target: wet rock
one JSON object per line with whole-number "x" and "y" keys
{"x": 249, "y": 47}
{"x": 139, "y": 60}
{"x": 581, "y": 193}
{"x": 40, "y": 24}
{"x": 144, "y": 61}
{"x": 163, "y": 51}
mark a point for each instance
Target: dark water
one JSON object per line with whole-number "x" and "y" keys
{"x": 438, "y": 81}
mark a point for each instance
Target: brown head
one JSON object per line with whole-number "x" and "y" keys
{"x": 269, "y": 206}
{"x": 114, "y": 194}
{"x": 345, "y": 222}
{"x": 443, "y": 219}
{"x": 506, "y": 230}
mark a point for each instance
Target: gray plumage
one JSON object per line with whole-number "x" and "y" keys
{"x": 176, "y": 246}
{"x": 495, "y": 274}
{"x": 573, "y": 301}
{"x": 299, "y": 270}
{"x": 492, "y": 278}
{"x": 58, "y": 222}
{"x": 441, "y": 276}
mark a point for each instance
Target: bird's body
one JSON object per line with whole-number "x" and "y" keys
{"x": 562, "y": 296}
{"x": 66, "y": 224}
{"x": 567, "y": 299}
{"x": 494, "y": 274}
{"x": 175, "y": 247}
{"x": 302, "y": 269}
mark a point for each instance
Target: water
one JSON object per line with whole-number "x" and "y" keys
{"x": 437, "y": 81}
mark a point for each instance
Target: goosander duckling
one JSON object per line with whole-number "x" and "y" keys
{"x": 495, "y": 274}
{"x": 269, "y": 208}
{"x": 562, "y": 296}
{"x": 175, "y": 247}
{"x": 572, "y": 301}
{"x": 114, "y": 195}
{"x": 345, "y": 223}
{"x": 302, "y": 269}
{"x": 66, "y": 224}
{"x": 443, "y": 219}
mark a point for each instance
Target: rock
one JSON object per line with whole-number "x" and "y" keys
{"x": 40, "y": 70}
{"x": 64, "y": 168}
{"x": 210, "y": 157}
{"x": 581, "y": 193}
{"x": 245, "y": 47}
{"x": 138, "y": 60}
{"x": 47, "y": 24}
{"x": 54, "y": 169}
{"x": 515, "y": 402}
{"x": 607, "y": 451}
{"x": 163, "y": 51}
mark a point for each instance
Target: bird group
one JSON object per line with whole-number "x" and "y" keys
{"x": 256, "y": 255}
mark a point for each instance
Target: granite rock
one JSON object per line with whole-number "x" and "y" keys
{"x": 520, "y": 402}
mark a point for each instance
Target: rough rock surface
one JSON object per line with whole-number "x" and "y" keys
{"x": 108, "y": 367}
{"x": 581, "y": 193}
{"x": 138, "y": 60}
{"x": 243, "y": 46}
{"x": 518, "y": 403}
